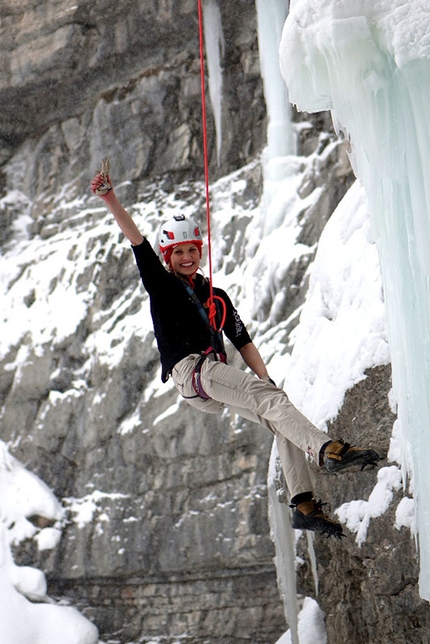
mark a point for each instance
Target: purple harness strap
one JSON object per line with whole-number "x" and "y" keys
{"x": 196, "y": 377}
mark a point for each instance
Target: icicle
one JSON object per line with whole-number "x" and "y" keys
{"x": 311, "y": 552}
{"x": 271, "y": 15}
{"x": 214, "y": 42}
{"x": 283, "y": 538}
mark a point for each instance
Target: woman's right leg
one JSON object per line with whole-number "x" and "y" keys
{"x": 308, "y": 513}
{"x": 293, "y": 459}
{"x": 268, "y": 403}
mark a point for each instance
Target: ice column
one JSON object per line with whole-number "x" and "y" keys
{"x": 371, "y": 66}
{"x": 271, "y": 15}
{"x": 214, "y": 42}
{"x": 283, "y": 537}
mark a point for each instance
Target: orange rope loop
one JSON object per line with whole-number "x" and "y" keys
{"x": 213, "y": 312}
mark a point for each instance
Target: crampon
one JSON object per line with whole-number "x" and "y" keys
{"x": 338, "y": 455}
{"x": 310, "y": 515}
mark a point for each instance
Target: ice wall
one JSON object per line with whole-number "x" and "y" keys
{"x": 369, "y": 62}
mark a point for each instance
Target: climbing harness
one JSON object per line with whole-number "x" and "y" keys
{"x": 216, "y": 347}
{"x": 196, "y": 375}
{"x": 217, "y": 343}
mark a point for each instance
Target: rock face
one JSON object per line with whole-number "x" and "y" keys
{"x": 122, "y": 80}
{"x": 369, "y": 591}
{"x": 167, "y": 535}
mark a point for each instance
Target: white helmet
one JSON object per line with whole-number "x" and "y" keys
{"x": 178, "y": 230}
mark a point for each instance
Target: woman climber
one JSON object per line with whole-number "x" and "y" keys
{"x": 192, "y": 353}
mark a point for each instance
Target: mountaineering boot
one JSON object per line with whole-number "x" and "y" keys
{"x": 337, "y": 455}
{"x": 309, "y": 515}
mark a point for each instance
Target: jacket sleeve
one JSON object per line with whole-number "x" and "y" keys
{"x": 234, "y": 328}
{"x": 150, "y": 267}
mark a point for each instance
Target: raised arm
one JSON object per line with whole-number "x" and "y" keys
{"x": 123, "y": 219}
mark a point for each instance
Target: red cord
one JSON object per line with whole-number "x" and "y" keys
{"x": 212, "y": 307}
{"x": 213, "y": 312}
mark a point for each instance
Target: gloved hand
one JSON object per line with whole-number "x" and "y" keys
{"x": 268, "y": 379}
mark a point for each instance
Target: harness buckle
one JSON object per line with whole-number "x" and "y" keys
{"x": 196, "y": 375}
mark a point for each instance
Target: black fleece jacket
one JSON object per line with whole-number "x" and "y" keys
{"x": 178, "y": 326}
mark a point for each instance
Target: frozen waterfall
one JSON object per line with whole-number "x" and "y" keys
{"x": 370, "y": 64}
{"x": 271, "y": 16}
{"x": 270, "y": 19}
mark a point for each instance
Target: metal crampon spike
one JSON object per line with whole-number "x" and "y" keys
{"x": 105, "y": 186}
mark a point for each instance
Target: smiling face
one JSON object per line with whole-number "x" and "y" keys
{"x": 185, "y": 259}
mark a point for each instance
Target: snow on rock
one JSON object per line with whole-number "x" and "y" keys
{"x": 23, "y": 495}
{"x": 356, "y": 515}
{"x": 342, "y": 325}
{"x": 48, "y": 538}
{"x": 23, "y": 622}
{"x": 311, "y": 627}
{"x": 84, "y": 509}
{"x": 27, "y": 615}
{"x": 405, "y": 516}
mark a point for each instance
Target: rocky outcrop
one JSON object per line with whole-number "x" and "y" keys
{"x": 122, "y": 80}
{"x": 369, "y": 590}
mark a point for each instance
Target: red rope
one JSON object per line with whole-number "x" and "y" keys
{"x": 212, "y": 307}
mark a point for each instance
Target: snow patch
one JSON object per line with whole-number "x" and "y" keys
{"x": 27, "y": 614}
{"x": 356, "y": 515}
{"x": 311, "y": 626}
{"x": 84, "y": 508}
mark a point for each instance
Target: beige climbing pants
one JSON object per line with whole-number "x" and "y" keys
{"x": 261, "y": 402}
